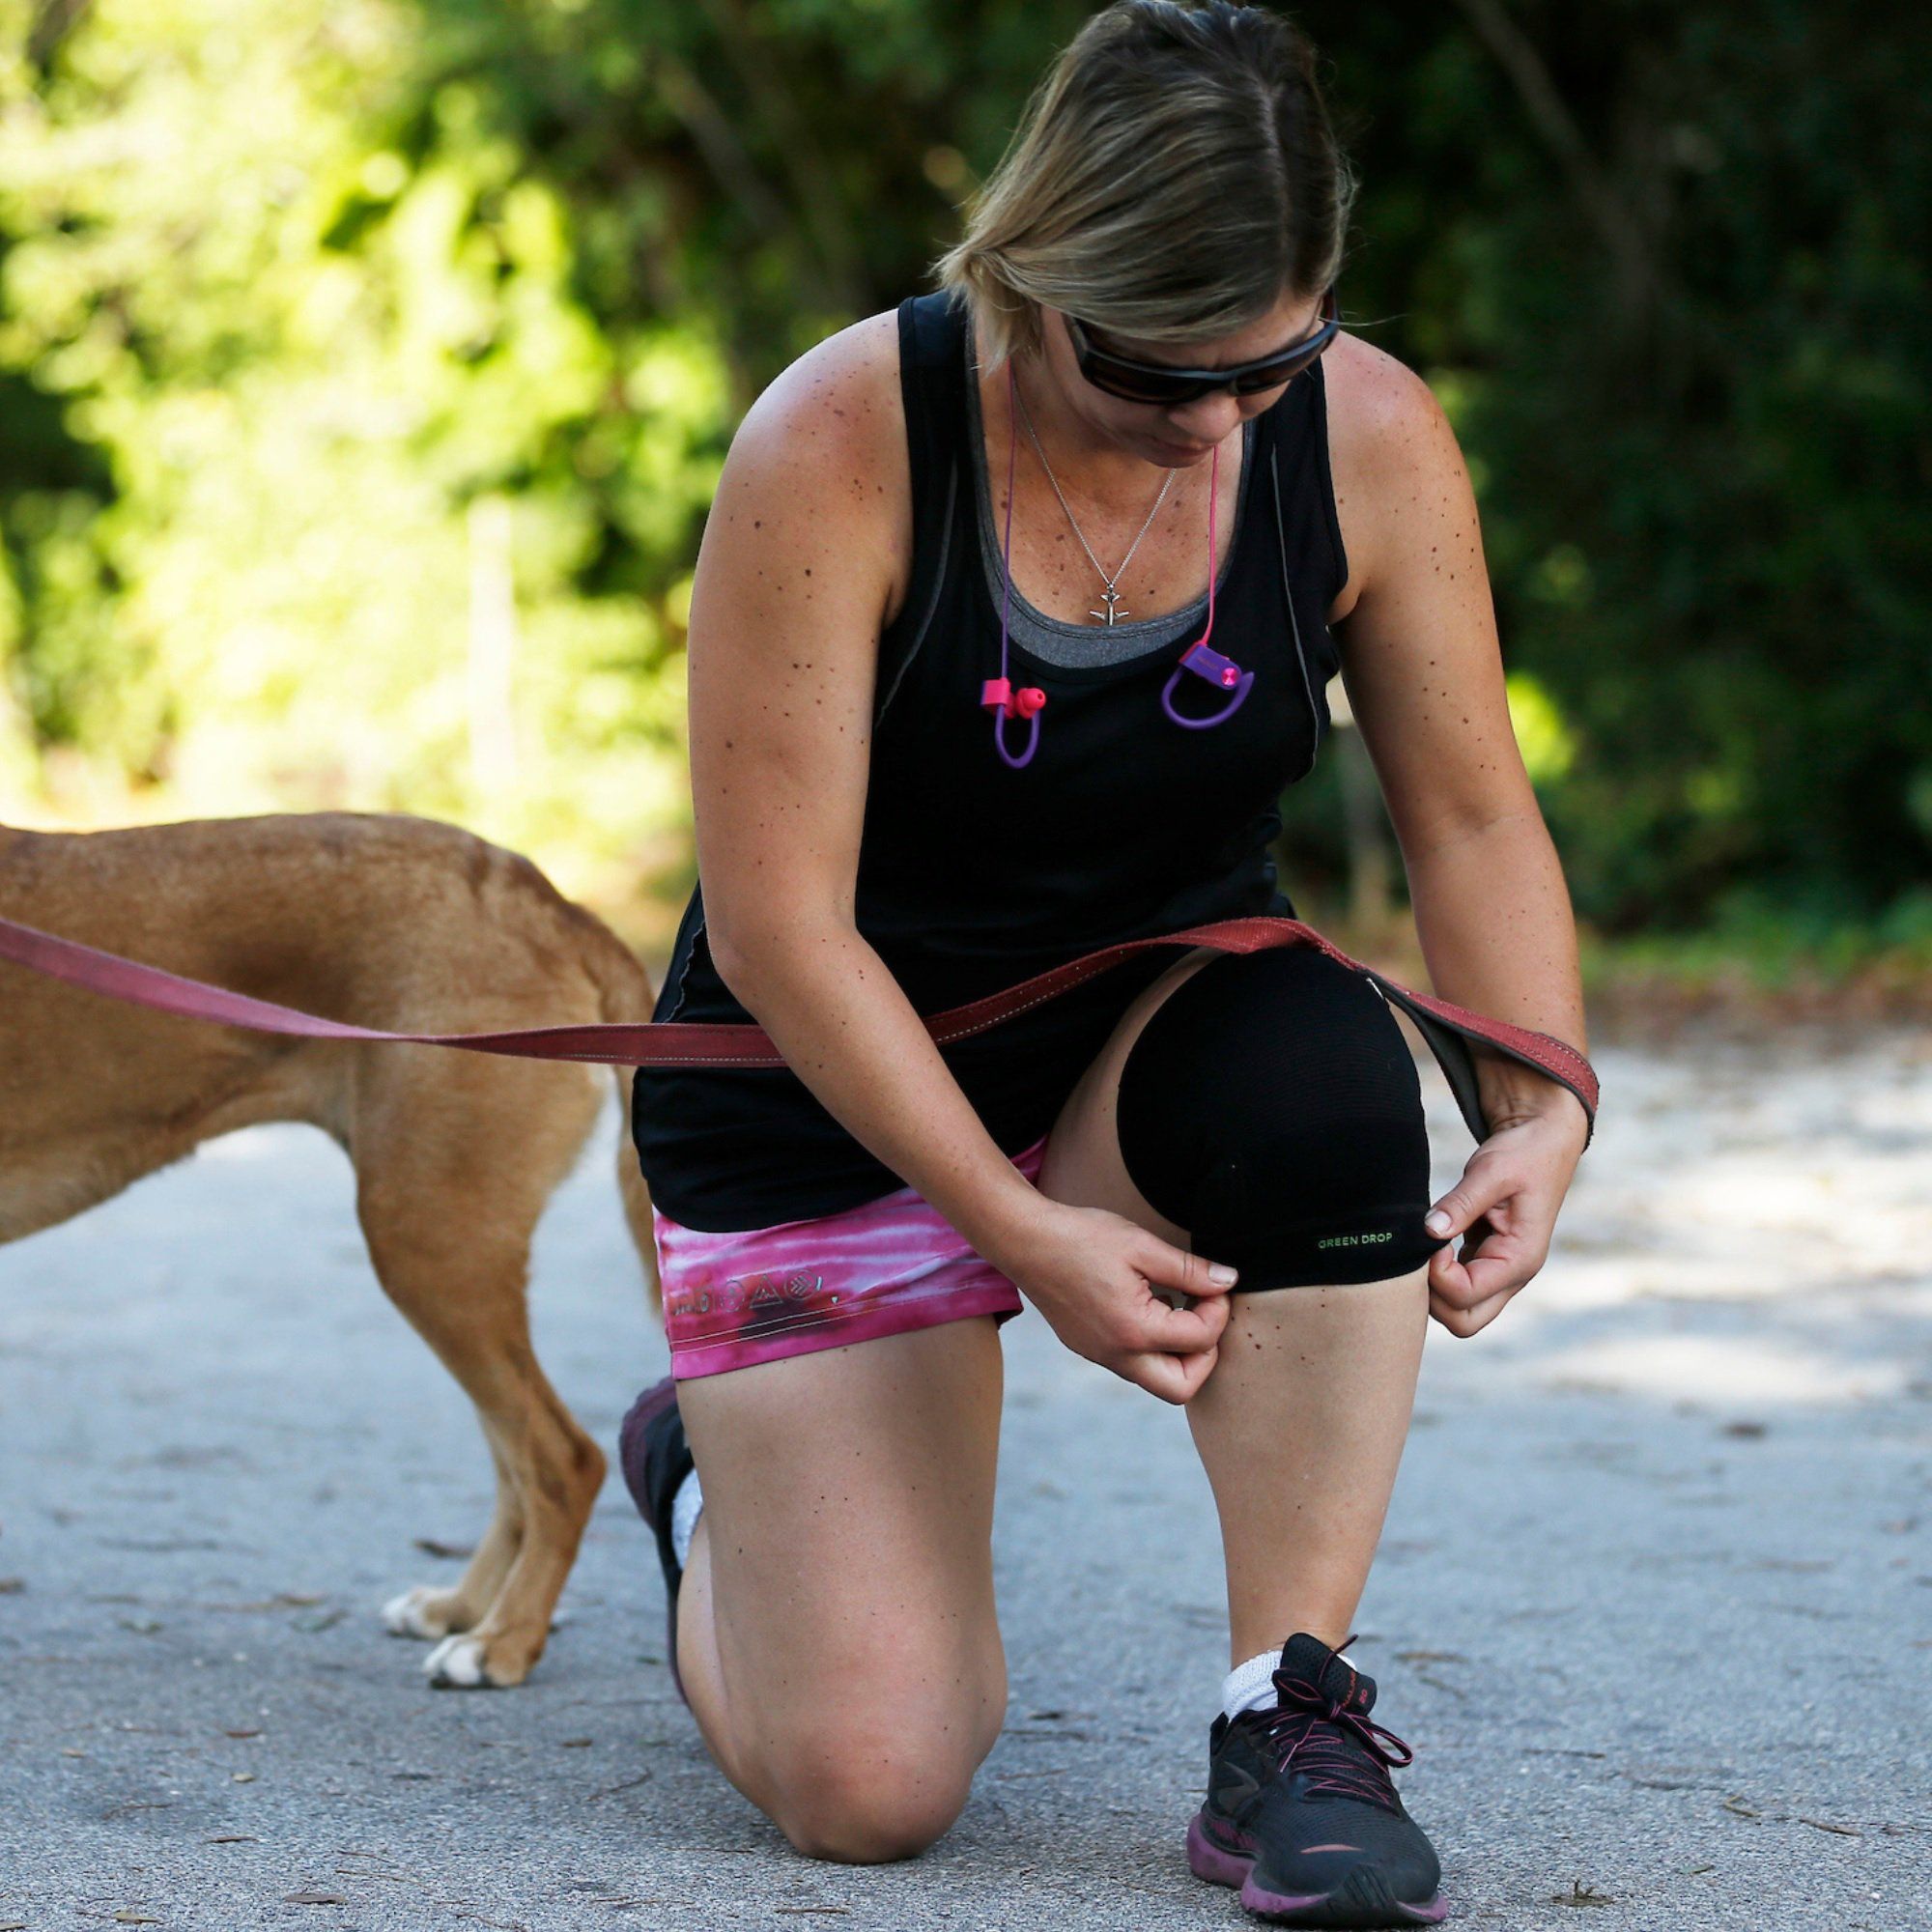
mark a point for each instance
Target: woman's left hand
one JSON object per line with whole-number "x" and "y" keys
{"x": 1504, "y": 1208}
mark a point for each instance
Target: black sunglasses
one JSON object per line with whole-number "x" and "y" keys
{"x": 1163, "y": 382}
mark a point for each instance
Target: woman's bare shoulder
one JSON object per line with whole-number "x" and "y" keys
{"x": 1389, "y": 441}
{"x": 828, "y": 434}
{"x": 793, "y": 579}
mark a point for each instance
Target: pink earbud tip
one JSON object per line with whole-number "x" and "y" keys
{"x": 1031, "y": 698}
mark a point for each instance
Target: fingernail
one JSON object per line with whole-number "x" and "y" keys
{"x": 1221, "y": 1275}
{"x": 1435, "y": 1221}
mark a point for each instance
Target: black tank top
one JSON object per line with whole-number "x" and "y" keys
{"x": 973, "y": 875}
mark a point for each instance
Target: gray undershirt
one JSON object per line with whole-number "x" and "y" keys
{"x": 1054, "y": 638}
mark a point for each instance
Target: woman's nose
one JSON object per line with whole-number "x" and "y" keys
{"x": 1209, "y": 418}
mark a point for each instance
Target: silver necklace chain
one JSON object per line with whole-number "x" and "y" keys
{"x": 1110, "y": 595}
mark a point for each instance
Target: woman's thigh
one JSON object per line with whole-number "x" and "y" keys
{"x": 1083, "y": 1166}
{"x": 848, "y": 1511}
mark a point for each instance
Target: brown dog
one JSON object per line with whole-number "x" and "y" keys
{"x": 385, "y": 921}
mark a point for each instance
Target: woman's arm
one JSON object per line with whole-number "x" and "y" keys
{"x": 804, "y": 557}
{"x": 1425, "y": 680}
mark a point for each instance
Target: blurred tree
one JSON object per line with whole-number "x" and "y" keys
{"x": 364, "y": 373}
{"x": 1665, "y": 265}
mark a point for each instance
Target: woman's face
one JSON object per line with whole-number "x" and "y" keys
{"x": 1175, "y": 436}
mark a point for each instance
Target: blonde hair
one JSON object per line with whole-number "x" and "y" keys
{"x": 1172, "y": 177}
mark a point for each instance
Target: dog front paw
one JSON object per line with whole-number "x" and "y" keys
{"x": 463, "y": 1662}
{"x": 422, "y": 1612}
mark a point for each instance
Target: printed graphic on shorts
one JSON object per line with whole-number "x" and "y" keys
{"x": 750, "y": 1306}
{"x": 738, "y": 1295}
{"x": 752, "y": 1294}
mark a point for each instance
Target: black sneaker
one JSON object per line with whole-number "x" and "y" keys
{"x": 655, "y": 1459}
{"x": 1300, "y": 1813}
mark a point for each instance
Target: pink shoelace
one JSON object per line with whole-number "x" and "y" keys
{"x": 1336, "y": 1747}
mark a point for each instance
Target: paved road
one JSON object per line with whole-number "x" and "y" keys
{"x": 1653, "y": 1607}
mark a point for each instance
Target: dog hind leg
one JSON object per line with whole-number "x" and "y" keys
{"x": 461, "y": 1284}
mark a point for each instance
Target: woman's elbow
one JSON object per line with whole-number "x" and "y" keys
{"x": 751, "y": 952}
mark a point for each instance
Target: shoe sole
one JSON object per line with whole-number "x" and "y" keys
{"x": 1362, "y": 1898}
{"x": 645, "y": 1410}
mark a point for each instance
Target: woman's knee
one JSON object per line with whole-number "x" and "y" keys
{"x": 1271, "y": 1107}
{"x": 857, "y": 1811}
{"x": 877, "y": 1782}
{"x": 874, "y": 1761}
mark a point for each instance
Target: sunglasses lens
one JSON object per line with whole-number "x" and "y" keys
{"x": 1169, "y": 398}
{"x": 1140, "y": 383}
{"x": 1138, "y": 386}
{"x": 1274, "y": 375}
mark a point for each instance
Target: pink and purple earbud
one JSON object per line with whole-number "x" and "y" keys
{"x": 997, "y": 693}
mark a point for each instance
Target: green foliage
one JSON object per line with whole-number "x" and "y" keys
{"x": 1690, "y": 351}
{"x": 1775, "y": 942}
{"x": 365, "y": 369}
{"x": 315, "y": 314}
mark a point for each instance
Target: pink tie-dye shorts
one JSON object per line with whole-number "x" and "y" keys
{"x": 880, "y": 1268}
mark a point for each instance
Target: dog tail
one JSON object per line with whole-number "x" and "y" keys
{"x": 625, "y": 995}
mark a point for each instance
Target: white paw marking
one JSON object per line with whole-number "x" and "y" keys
{"x": 405, "y": 1615}
{"x": 456, "y": 1664}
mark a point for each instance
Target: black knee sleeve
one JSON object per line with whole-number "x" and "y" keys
{"x": 1271, "y": 1108}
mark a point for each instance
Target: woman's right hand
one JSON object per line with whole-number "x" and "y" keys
{"x": 1095, "y": 1274}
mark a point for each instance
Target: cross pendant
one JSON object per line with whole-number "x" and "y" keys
{"x": 1108, "y": 597}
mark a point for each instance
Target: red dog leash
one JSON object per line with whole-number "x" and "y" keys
{"x": 1448, "y": 1029}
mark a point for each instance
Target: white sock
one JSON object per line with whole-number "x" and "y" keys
{"x": 684, "y": 1508}
{"x": 1250, "y": 1685}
